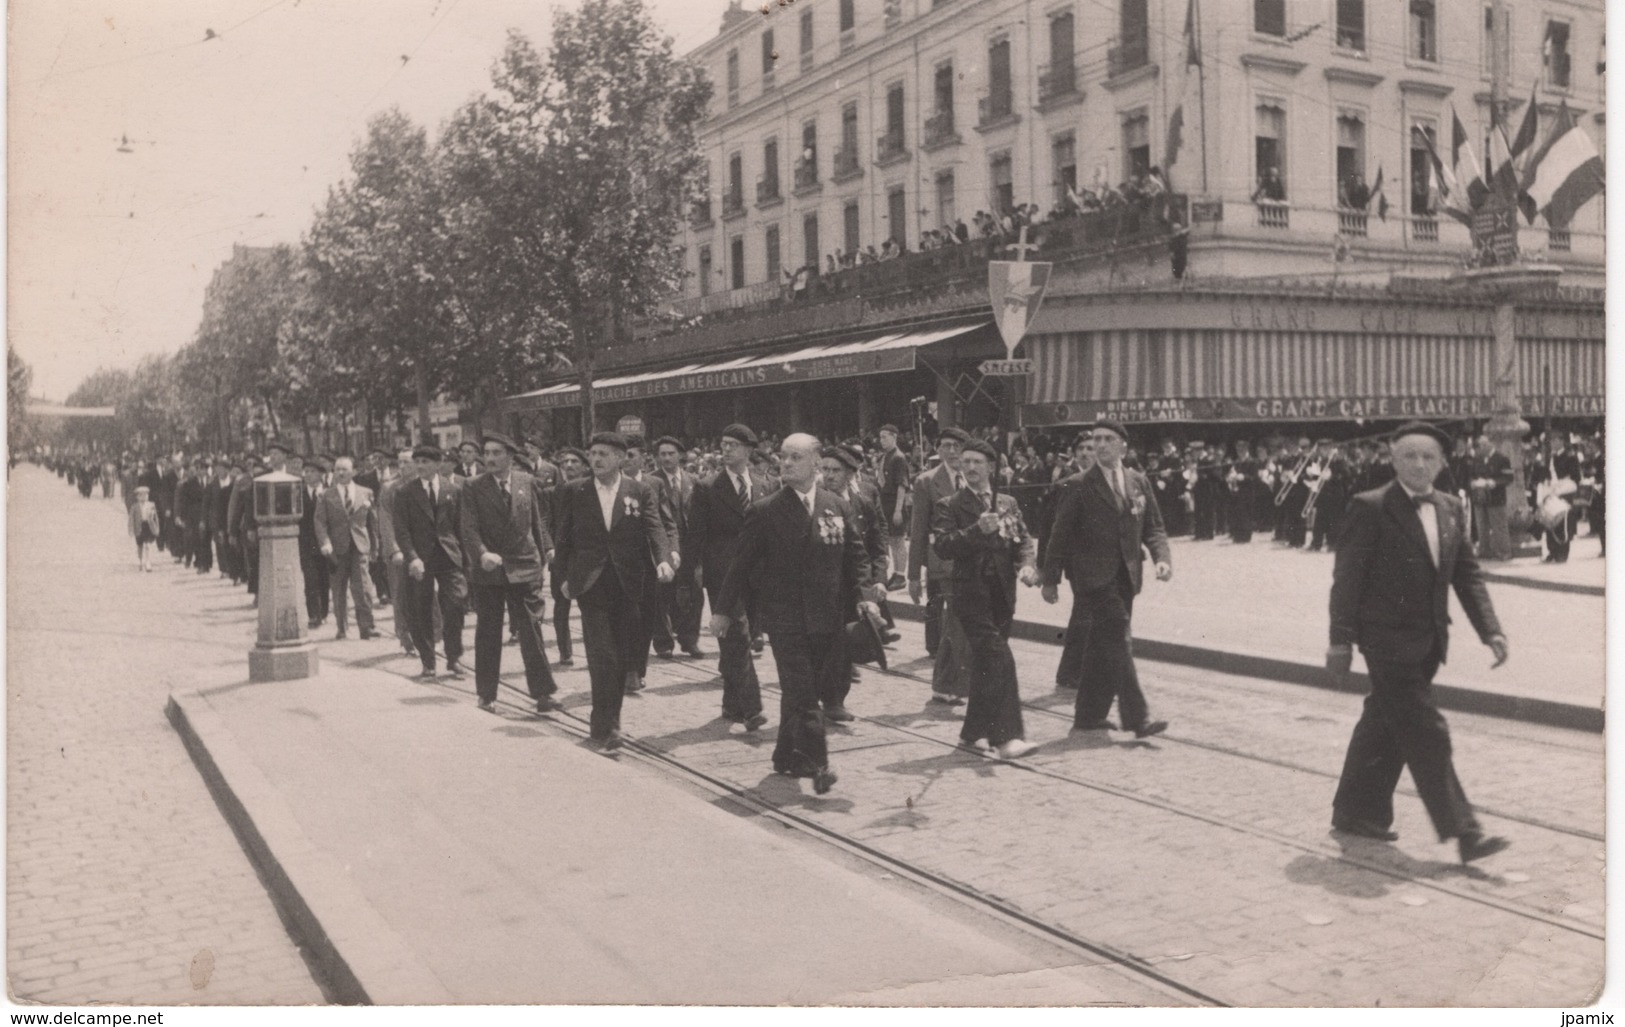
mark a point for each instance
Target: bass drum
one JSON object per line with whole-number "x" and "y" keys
{"x": 1554, "y": 512}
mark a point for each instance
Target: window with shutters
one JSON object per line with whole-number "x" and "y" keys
{"x": 809, "y": 240}
{"x": 1001, "y": 173}
{"x": 897, "y": 215}
{"x": 945, "y": 199}
{"x": 736, "y": 257}
{"x": 1064, "y": 160}
{"x": 1136, "y": 144}
{"x": 705, "y": 270}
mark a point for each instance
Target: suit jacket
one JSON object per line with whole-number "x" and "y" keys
{"x": 1093, "y": 537}
{"x": 929, "y": 487}
{"x": 1048, "y": 504}
{"x": 715, "y": 516}
{"x": 665, "y": 506}
{"x": 982, "y": 560}
{"x": 189, "y": 501}
{"x": 517, "y": 531}
{"x": 240, "y": 507}
{"x": 871, "y": 525}
{"x": 429, "y": 532}
{"x": 680, "y": 492}
{"x": 1387, "y": 596}
{"x": 308, "y": 543}
{"x": 387, "y": 546}
{"x": 629, "y": 548}
{"x": 346, "y": 530}
{"x": 800, "y": 574}
{"x": 367, "y": 479}
{"x": 214, "y": 513}
{"x": 1497, "y": 467}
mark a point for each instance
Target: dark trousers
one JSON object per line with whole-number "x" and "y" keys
{"x": 741, "y": 689}
{"x": 1402, "y": 727}
{"x": 679, "y": 617}
{"x": 525, "y": 606}
{"x": 317, "y": 583}
{"x": 807, "y": 664}
{"x": 561, "y": 611}
{"x": 1069, "y": 672}
{"x": 994, "y": 709}
{"x": 418, "y": 606}
{"x": 380, "y": 581}
{"x": 202, "y": 551}
{"x": 1557, "y": 542}
{"x": 611, "y": 633}
{"x": 226, "y": 556}
{"x": 933, "y": 616}
{"x": 1203, "y": 520}
{"x": 1108, "y": 664}
{"x": 251, "y": 564}
{"x": 350, "y": 577}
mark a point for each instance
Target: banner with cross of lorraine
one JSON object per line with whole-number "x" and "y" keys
{"x": 1016, "y": 288}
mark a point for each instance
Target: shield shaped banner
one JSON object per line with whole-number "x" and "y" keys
{"x": 1016, "y": 288}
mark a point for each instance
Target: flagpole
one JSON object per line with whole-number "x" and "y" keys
{"x": 1201, "y": 84}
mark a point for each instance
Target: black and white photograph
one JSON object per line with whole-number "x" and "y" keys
{"x": 855, "y": 507}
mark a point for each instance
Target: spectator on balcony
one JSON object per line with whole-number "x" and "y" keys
{"x": 961, "y": 232}
{"x": 869, "y": 254}
{"x": 1354, "y": 194}
{"x": 1270, "y": 186}
{"x": 829, "y": 263}
{"x": 1155, "y": 184}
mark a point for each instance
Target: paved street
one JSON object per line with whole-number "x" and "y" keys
{"x": 124, "y": 883}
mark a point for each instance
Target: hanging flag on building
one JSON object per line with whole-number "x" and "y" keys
{"x": 1378, "y": 197}
{"x": 1186, "y": 120}
{"x": 1460, "y": 183}
{"x": 1565, "y": 172}
{"x": 1507, "y": 158}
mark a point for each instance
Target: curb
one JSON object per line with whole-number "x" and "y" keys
{"x": 1293, "y": 672}
{"x": 358, "y": 957}
{"x": 1546, "y": 586}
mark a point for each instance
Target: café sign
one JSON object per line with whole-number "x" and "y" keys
{"x": 1302, "y": 408}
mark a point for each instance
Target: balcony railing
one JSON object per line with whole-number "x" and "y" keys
{"x": 849, "y": 39}
{"x": 1057, "y": 81}
{"x": 1424, "y": 228}
{"x": 733, "y": 204}
{"x": 995, "y": 107}
{"x": 846, "y": 165}
{"x": 806, "y": 175}
{"x": 1558, "y": 240}
{"x": 699, "y": 214}
{"x": 767, "y": 190}
{"x": 1124, "y": 56}
{"x": 939, "y": 129}
{"x": 1352, "y": 223}
{"x": 889, "y": 147}
{"x": 1274, "y": 214}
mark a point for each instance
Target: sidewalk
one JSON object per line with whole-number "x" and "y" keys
{"x": 1261, "y": 611}
{"x": 443, "y": 855}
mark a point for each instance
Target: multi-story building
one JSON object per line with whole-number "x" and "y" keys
{"x": 837, "y": 125}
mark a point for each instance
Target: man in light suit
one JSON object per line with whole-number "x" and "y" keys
{"x": 427, "y": 532}
{"x": 680, "y": 600}
{"x": 944, "y": 637}
{"x": 799, "y": 554}
{"x": 1103, "y": 526}
{"x": 347, "y": 534}
{"x": 715, "y": 519}
{"x": 506, "y": 542}
{"x": 610, "y": 536}
{"x": 1404, "y": 548}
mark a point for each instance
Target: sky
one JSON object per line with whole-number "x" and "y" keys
{"x": 234, "y": 139}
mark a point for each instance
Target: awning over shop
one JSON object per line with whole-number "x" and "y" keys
{"x": 877, "y": 354}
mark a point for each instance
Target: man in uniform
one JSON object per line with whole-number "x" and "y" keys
{"x": 1404, "y": 547}
{"x": 950, "y": 674}
{"x": 1102, "y": 528}
{"x": 800, "y": 555}
{"x": 1559, "y": 472}
{"x": 428, "y": 525}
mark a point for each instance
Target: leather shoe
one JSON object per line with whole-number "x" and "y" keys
{"x": 426, "y": 674}
{"x": 666, "y": 654}
{"x": 612, "y": 742}
{"x": 1151, "y": 727}
{"x": 548, "y": 704}
{"x": 368, "y": 634}
{"x": 1363, "y": 828}
{"x": 1094, "y": 725}
{"x": 1016, "y": 748}
{"x": 946, "y": 699}
{"x": 824, "y": 780}
{"x": 695, "y": 651}
{"x": 757, "y": 644}
{"x": 980, "y": 746}
{"x": 455, "y": 670}
{"x": 341, "y": 636}
{"x": 838, "y": 713}
{"x": 488, "y": 705}
{"x": 564, "y": 661}
{"x": 755, "y": 723}
{"x": 1476, "y": 846}
{"x": 891, "y": 637}
{"x": 1066, "y": 686}
{"x": 633, "y": 683}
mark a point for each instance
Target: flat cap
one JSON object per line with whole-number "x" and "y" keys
{"x": 613, "y": 439}
{"x": 846, "y": 454}
{"x": 564, "y": 451}
{"x": 1115, "y": 427}
{"x": 890, "y": 428}
{"x": 740, "y": 433}
{"x": 426, "y": 451}
{"x": 959, "y": 435}
{"x": 983, "y": 447}
{"x": 667, "y": 440}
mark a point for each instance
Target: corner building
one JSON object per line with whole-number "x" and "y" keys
{"x": 838, "y": 125}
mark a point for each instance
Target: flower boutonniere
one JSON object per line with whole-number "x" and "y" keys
{"x": 1138, "y": 506}
{"x": 1011, "y": 528}
{"x": 832, "y": 528}
{"x": 630, "y": 504}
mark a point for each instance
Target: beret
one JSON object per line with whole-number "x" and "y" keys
{"x": 613, "y": 439}
{"x": 667, "y": 440}
{"x": 846, "y": 455}
{"x": 891, "y": 428}
{"x": 380, "y": 450}
{"x": 522, "y": 461}
{"x": 426, "y": 451}
{"x": 740, "y": 433}
{"x": 959, "y": 435}
{"x": 983, "y": 447}
{"x": 468, "y": 442}
{"x": 1423, "y": 428}
{"x": 564, "y": 451}
{"x": 502, "y": 440}
{"x": 1115, "y": 427}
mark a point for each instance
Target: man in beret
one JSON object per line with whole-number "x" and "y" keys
{"x": 800, "y": 556}
{"x": 1404, "y": 548}
{"x": 572, "y": 465}
{"x": 469, "y": 466}
{"x": 1102, "y": 529}
{"x": 716, "y": 516}
{"x": 610, "y": 538}
{"x": 428, "y": 525}
{"x": 651, "y": 611}
{"x": 505, "y": 540}
{"x": 950, "y": 673}
{"x": 839, "y": 468}
{"x": 679, "y": 614}
{"x": 983, "y": 534}
{"x": 317, "y": 582}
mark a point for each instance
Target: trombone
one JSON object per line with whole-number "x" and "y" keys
{"x": 1291, "y": 479}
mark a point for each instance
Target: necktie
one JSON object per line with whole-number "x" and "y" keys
{"x": 506, "y": 494}
{"x": 429, "y": 487}
{"x": 1117, "y": 486}
{"x": 987, "y": 500}
{"x": 347, "y": 507}
{"x": 742, "y": 486}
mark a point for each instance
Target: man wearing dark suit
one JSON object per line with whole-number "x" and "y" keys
{"x": 225, "y": 552}
{"x": 1102, "y": 528}
{"x": 216, "y": 481}
{"x": 715, "y": 518}
{"x": 572, "y": 465}
{"x": 1404, "y": 547}
{"x": 800, "y": 556}
{"x": 610, "y": 536}
{"x": 468, "y": 462}
{"x": 944, "y": 638}
{"x": 839, "y": 467}
{"x": 311, "y": 561}
{"x": 983, "y": 534}
{"x": 651, "y": 608}
{"x": 164, "y": 499}
{"x": 680, "y": 601}
{"x": 1490, "y": 474}
{"x": 428, "y": 523}
{"x": 1069, "y": 671}
{"x": 505, "y": 540}
{"x": 189, "y": 512}
{"x": 347, "y": 534}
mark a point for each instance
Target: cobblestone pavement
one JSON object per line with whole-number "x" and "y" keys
{"x": 124, "y": 883}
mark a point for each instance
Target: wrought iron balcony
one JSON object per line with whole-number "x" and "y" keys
{"x": 1124, "y": 56}
{"x": 889, "y": 147}
{"x": 767, "y": 189}
{"x": 733, "y": 203}
{"x": 806, "y": 175}
{"x": 995, "y": 107}
{"x": 939, "y": 129}
{"x": 1057, "y": 81}
{"x": 846, "y": 164}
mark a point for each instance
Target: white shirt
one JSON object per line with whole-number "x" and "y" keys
{"x": 1430, "y": 522}
{"x": 606, "y": 498}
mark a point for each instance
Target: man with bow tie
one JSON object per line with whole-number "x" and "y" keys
{"x": 982, "y": 532}
{"x": 800, "y": 557}
{"x": 1103, "y": 526}
{"x": 944, "y": 638}
{"x": 505, "y": 540}
{"x": 1404, "y": 548}
{"x": 610, "y": 536}
{"x": 427, "y": 525}
{"x": 716, "y": 516}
